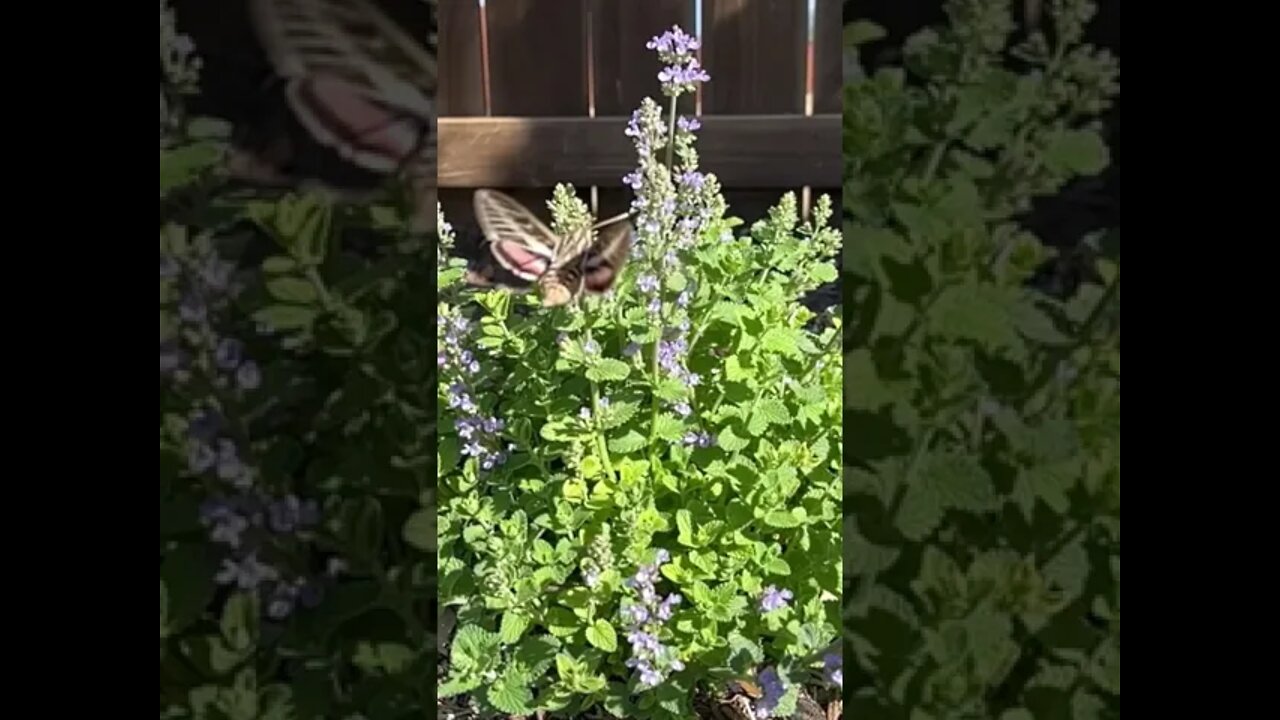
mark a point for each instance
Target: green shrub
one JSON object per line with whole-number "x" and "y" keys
{"x": 625, "y": 481}
{"x": 982, "y": 479}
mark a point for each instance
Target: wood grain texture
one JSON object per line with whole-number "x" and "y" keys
{"x": 759, "y": 151}
{"x": 755, "y": 53}
{"x": 537, "y": 57}
{"x": 625, "y": 70}
{"x": 828, "y": 66}
{"x": 461, "y": 89}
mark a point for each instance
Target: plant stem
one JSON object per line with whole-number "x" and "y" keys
{"x": 671, "y": 132}
{"x": 601, "y": 446}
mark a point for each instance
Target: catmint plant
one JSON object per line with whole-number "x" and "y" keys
{"x": 987, "y": 535}
{"x": 672, "y": 513}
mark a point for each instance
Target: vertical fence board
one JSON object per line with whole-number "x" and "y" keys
{"x": 828, "y": 66}
{"x": 461, "y": 83}
{"x": 537, "y": 57}
{"x": 625, "y": 70}
{"x": 754, "y": 51}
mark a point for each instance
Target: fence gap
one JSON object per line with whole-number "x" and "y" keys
{"x": 806, "y": 193}
{"x": 484, "y": 59}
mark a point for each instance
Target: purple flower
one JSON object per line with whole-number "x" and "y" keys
{"x": 228, "y": 353}
{"x": 224, "y": 523}
{"x": 682, "y": 409}
{"x": 200, "y": 457}
{"x": 246, "y": 574}
{"x": 249, "y": 377}
{"x": 216, "y": 273}
{"x": 774, "y": 599}
{"x": 282, "y": 601}
{"x": 833, "y": 664}
{"x": 591, "y": 347}
{"x": 192, "y": 309}
{"x": 693, "y": 180}
{"x": 633, "y": 179}
{"x": 773, "y": 690}
{"x": 647, "y": 283}
{"x": 169, "y": 267}
{"x": 688, "y": 124}
{"x": 650, "y": 677}
{"x": 170, "y": 357}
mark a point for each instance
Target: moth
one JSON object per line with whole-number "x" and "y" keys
{"x": 561, "y": 267}
{"x": 347, "y": 100}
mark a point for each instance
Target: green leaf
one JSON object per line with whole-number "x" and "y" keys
{"x": 781, "y": 519}
{"x": 1080, "y": 152}
{"x": 618, "y": 414}
{"x": 474, "y": 649}
{"x": 239, "y": 624}
{"x": 730, "y": 442}
{"x": 286, "y": 317}
{"x": 514, "y": 625}
{"x": 420, "y": 530}
{"x": 774, "y": 410}
{"x": 959, "y": 481}
{"x": 510, "y": 693}
{"x": 777, "y": 566}
{"x": 920, "y": 513}
{"x": 292, "y": 290}
{"x": 861, "y": 32}
{"x": 279, "y": 265}
{"x": 601, "y": 634}
{"x": 1017, "y": 714}
{"x": 669, "y": 428}
{"x": 183, "y": 165}
{"x": 608, "y": 369}
{"x": 978, "y": 313}
{"x": 388, "y": 658}
{"x": 785, "y": 341}
{"x": 628, "y": 443}
{"x": 824, "y": 273}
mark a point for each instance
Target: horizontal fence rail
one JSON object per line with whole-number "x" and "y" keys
{"x": 741, "y": 150}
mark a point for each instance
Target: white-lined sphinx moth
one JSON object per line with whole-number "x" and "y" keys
{"x": 561, "y": 267}
{"x": 356, "y": 84}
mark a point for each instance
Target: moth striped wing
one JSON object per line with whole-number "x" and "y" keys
{"x": 353, "y": 78}
{"x": 518, "y": 240}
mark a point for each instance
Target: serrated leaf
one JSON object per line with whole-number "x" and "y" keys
{"x": 618, "y": 414}
{"x": 1069, "y": 569}
{"x": 774, "y": 411}
{"x": 602, "y": 635}
{"x": 959, "y": 481}
{"x": 513, "y": 626}
{"x": 781, "y": 340}
{"x": 510, "y": 693}
{"x": 608, "y": 369}
{"x": 669, "y": 428}
{"x": 978, "y": 313}
{"x": 474, "y": 648}
{"x": 920, "y": 513}
{"x": 730, "y": 442}
{"x": 628, "y": 443}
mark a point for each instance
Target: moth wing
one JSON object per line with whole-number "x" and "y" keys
{"x": 354, "y": 79}
{"x": 518, "y": 240}
{"x": 607, "y": 256}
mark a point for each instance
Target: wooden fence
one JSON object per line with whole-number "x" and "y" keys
{"x": 536, "y": 92}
